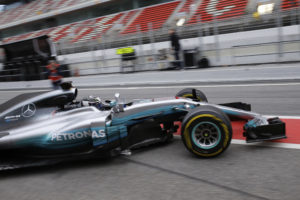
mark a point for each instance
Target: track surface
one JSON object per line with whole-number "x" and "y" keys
{"x": 169, "y": 171}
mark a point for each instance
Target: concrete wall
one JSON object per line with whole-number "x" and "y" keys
{"x": 250, "y": 47}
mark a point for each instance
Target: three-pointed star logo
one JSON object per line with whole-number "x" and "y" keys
{"x": 28, "y": 110}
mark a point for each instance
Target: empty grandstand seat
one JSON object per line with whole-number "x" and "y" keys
{"x": 289, "y": 4}
{"x": 128, "y": 16}
{"x": 186, "y": 6}
{"x": 96, "y": 28}
{"x": 155, "y": 15}
{"x": 85, "y": 30}
{"x": 34, "y": 8}
{"x": 221, "y": 9}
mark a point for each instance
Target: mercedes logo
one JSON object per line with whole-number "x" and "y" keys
{"x": 28, "y": 110}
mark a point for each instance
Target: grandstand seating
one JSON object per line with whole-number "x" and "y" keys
{"x": 103, "y": 26}
{"x": 157, "y": 15}
{"x": 63, "y": 32}
{"x": 209, "y": 10}
{"x": 95, "y": 28}
{"x": 128, "y": 16}
{"x": 79, "y": 31}
{"x": 289, "y": 4}
{"x": 35, "y": 8}
{"x": 186, "y": 6}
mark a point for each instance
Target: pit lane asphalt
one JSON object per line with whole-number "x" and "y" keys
{"x": 169, "y": 171}
{"x": 235, "y": 74}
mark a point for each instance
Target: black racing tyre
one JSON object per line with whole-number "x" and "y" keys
{"x": 188, "y": 93}
{"x": 203, "y": 63}
{"x": 206, "y": 131}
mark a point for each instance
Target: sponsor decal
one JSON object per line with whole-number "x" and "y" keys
{"x": 12, "y": 118}
{"x": 28, "y": 110}
{"x": 77, "y": 135}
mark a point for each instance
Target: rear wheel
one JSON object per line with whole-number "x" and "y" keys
{"x": 206, "y": 131}
{"x": 188, "y": 93}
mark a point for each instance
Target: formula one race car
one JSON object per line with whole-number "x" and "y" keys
{"x": 54, "y": 126}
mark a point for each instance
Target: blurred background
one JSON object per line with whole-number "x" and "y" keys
{"x": 102, "y": 37}
{"x": 110, "y": 36}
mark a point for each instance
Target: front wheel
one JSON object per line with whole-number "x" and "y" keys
{"x": 206, "y": 132}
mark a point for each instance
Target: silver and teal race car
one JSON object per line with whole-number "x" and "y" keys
{"x": 55, "y": 126}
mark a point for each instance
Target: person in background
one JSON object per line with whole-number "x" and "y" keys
{"x": 54, "y": 74}
{"x": 175, "y": 47}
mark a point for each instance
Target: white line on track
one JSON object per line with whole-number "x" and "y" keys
{"x": 264, "y": 144}
{"x": 23, "y": 91}
{"x": 215, "y": 69}
{"x": 243, "y": 68}
{"x": 166, "y": 87}
{"x": 196, "y": 86}
{"x": 268, "y": 144}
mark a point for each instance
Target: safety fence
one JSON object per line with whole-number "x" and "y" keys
{"x": 152, "y": 47}
{"x": 248, "y": 22}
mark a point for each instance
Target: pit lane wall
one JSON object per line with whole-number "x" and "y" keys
{"x": 251, "y": 47}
